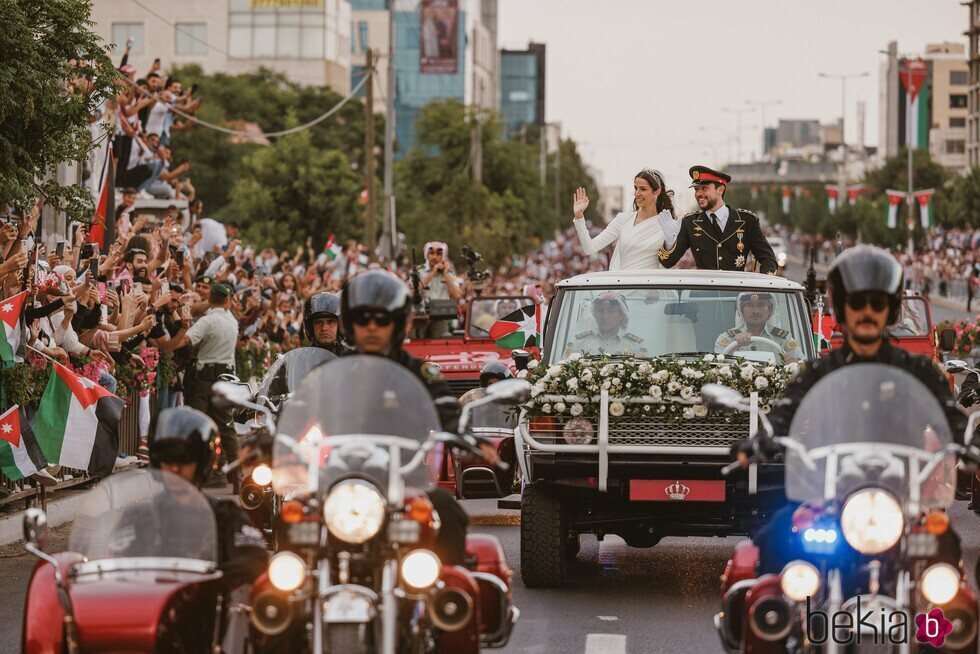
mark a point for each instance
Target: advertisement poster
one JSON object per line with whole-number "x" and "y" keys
{"x": 438, "y": 38}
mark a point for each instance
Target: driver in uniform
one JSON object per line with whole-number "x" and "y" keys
{"x": 757, "y": 309}
{"x": 610, "y": 336}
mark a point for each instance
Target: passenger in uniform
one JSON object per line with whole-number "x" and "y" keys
{"x": 756, "y": 310}
{"x": 610, "y": 336}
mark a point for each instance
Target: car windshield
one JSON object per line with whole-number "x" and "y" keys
{"x": 285, "y": 375}
{"x": 145, "y": 513}
{"x": 365, "y": 397}
{"x": 654, "y": 322}
{"x": 913, "y": 319}
{"x": 490, "y": 417}
{"x": 884, "y": 412}
{"x": 486, "y": 311}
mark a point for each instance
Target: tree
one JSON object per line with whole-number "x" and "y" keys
{"x": 53, "y": 74}
{"x": 292, "y": 191}
{"x": 963, "y": 205}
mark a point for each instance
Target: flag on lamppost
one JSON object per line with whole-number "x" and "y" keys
{"x": 831, "y": 198}
{"x": 924, "y": 199}
{"x": 755, "y": 191}
{"x": 914, "y": 75}
{"x": 787, "y": 194}
{"x": 853, "y": 192}
{"x": 895, "y": 199}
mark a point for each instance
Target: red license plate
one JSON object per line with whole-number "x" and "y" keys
{"x": 677, "y": 490}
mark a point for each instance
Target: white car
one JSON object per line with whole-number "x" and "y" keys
{"x": 615, "y": 439}
{"x": 778, "y": 245}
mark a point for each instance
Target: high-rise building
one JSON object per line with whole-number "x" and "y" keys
{"x": 443, "y": 49}
{"x": 305, "y": 40}
{"x": 936, "y": 117}
{"x": 973, "y": 90}
{"x": 522, "y": 89}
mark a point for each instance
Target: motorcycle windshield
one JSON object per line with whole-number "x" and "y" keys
{"x": 372, "y": 402}
{"x": 495, "y": 416}
{"x": 145, "y": 513}
{"x": 884, "y": 424}
{"x": 289, "y": 371}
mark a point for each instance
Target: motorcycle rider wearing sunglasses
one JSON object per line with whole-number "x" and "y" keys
{"x": 375, "y": 310}
{"x": 866, "y": 286}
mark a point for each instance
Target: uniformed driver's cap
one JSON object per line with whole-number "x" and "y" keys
{"x": 703, "y": 175}
{"x": 766, "y": 298}
{"x": 610, "y": 299}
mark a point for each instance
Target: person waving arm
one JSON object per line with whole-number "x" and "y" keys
{"x": 580, "y": 202}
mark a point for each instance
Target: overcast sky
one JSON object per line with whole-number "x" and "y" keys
{"x": 633, "y": 81}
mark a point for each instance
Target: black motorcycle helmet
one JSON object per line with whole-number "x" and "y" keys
{"x": 321, "y": 305}
{"x": 376, "y": 290}
{"x": 494, "y": 370}
{"x": 185, "y": 435}
{"x": 865, "y": 268}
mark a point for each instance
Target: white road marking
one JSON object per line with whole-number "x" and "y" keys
{"x": 605, "y": 644}
{"x": 608, "y": 618}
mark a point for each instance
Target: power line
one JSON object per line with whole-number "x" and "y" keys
{"x": 183, "y": 31}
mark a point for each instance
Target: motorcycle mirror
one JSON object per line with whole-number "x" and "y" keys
{"x": 510, "y": 390}
{"x": 521, "y": 358}
{"x": 35, "y": 527}
{"x": 955, "y": 366}
{"x": 717, "y": 395}
{"x": 229, "y": 394}
{"x": 947, "y": 339}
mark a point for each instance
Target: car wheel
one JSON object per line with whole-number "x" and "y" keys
{"x": 544, "y": 539}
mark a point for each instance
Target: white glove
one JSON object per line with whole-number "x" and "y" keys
{"x": 671, "y": 227}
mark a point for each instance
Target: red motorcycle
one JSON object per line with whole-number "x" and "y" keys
{"x": 139, "y": 574}
{"x": 355, "y": 448}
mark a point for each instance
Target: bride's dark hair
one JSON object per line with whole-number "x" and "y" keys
{"x": 656, "y": 181}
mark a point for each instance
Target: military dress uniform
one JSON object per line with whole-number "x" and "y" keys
{"x": 789, "y": 345}
{"x": 717, "y": 249}
{"x": 592, "y": 342}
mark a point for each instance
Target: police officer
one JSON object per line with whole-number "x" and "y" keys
{"x": 757, "y": 309}
{"x": 610, "y": 336}
{"x": 375, "y": 311}
{"x": 719, "y": 236}
{"x": 866, "y": 293}
{"x": 321, "y": 322}
{"x": 185, "y": 443}
{"x": 215, "y": 336}
{"x": 493, "y": 372}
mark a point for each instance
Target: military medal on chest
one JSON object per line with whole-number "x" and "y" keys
{"x": 741, "y": 245}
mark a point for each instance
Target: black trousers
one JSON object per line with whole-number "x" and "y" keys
{"x": 450, "y": 543}
{"x": 197, "y": 395}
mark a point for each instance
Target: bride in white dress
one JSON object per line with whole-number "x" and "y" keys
{"x": 638, "y": 234}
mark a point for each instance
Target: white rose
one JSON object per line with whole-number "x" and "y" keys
{"x": 646, "y": 408}
{"x": 586, "y": 375}
{"x": 748, "y": 373}
{"x": 554, "y": 371}
{"x": 576, "y": 409}
{"x": 645, "y": 368}
{"x": 662, "y": 408}
{"x": 687, "y": 392}
{"x": 725, "y": 371}
{"x": 663, "y": 375}
{"x": 616, "y": 381}
{"x": 673, "y": 387}
{"x": 560, "y": 407}
{"x": 791, "y": 369}
{"x": 572, "y": 384}
{"x": 616, "y": 409}
{"x": 521, "y": 374}
{"x": 688, "y": 412}
{"x": 532, "y": 364}
{"x": 605, "y": 384}
{"x": 709, "y": 357}
{"x": 700, "y": 410}
{"x": 769, "y": 371}
{"x": 656, "y": 393}
{"x": 604, "y": 371}
{"x": 691, "y": 373}
{"x": 761, "y": 382}
{"x": 629, "y": 384}
{"x": 536, "y": 390}
{"x": 575, "y": 356}
{"x": 546, "y": 408}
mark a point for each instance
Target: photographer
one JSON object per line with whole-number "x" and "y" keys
{"x": 438, "y": 278}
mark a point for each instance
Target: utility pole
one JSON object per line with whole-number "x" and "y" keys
{"x": 390, "y": 230}
{"x": 369, "y": 228}
{"x": 738, "y": 111}
{"x": 842, "y": 178}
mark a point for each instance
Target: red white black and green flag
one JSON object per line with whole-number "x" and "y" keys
{"x": 521, "y": 328}
{"x": 19, "y": 454}
{"x": 12, "y": 339}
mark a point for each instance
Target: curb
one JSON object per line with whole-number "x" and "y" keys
{"x": 59, "y": 512}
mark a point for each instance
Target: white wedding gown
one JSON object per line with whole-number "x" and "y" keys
{"x": 637, "y": 246}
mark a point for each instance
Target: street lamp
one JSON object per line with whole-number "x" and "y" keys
{"x": 842, "y": 181}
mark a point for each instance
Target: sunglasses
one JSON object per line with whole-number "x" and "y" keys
{"x": 364, "y": 318}
{"x": 858, "y": 301}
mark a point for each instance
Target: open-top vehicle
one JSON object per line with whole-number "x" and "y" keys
{"x": 615, "y": 440}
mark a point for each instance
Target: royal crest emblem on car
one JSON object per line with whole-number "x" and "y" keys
{"x": 677, "y": 491}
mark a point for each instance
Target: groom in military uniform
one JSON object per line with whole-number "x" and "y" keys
{"x": 719, "y": 236}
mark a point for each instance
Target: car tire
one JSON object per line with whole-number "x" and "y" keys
{"x": 544, "y": 538}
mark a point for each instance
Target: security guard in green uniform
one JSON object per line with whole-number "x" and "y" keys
{"x": 719, "y": 236}
{"x": 610, "y": 336}
{"x": 757, "y": 309}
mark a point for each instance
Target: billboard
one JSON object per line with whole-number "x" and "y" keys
{"x": 438, "y": 36}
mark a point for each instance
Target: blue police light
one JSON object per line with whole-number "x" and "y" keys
{"x": 828, "y": 536}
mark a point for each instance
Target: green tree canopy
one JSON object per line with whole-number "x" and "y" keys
{"x": 54, "y": 72}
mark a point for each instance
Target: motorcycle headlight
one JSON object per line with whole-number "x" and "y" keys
{"x": 262, "y": 475}
{"x": 940, "y": 583}
{"x": 287, "y": 571}
{"x": 420, "y": 569}
{"x": 354, "y": 511}
{"x": 872, "y": 521}
{"x": 799, "y": 580}
{"x": 578, "y": 431}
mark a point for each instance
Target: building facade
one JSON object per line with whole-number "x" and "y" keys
{"x": 306, "y": 40}
{"x": 973, "y": 90}
{"x": 522, "y": 88}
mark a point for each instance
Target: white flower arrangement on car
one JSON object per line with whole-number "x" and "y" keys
{"x": 665, "y": 387}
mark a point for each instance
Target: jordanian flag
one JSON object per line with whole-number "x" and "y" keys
{"x": 518, "y": 329}
{"x": 331, "y": 249}
{"x": 11, "y": 345}
{"x": 77, "y": 422}
{"x": 16, "y": 460}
